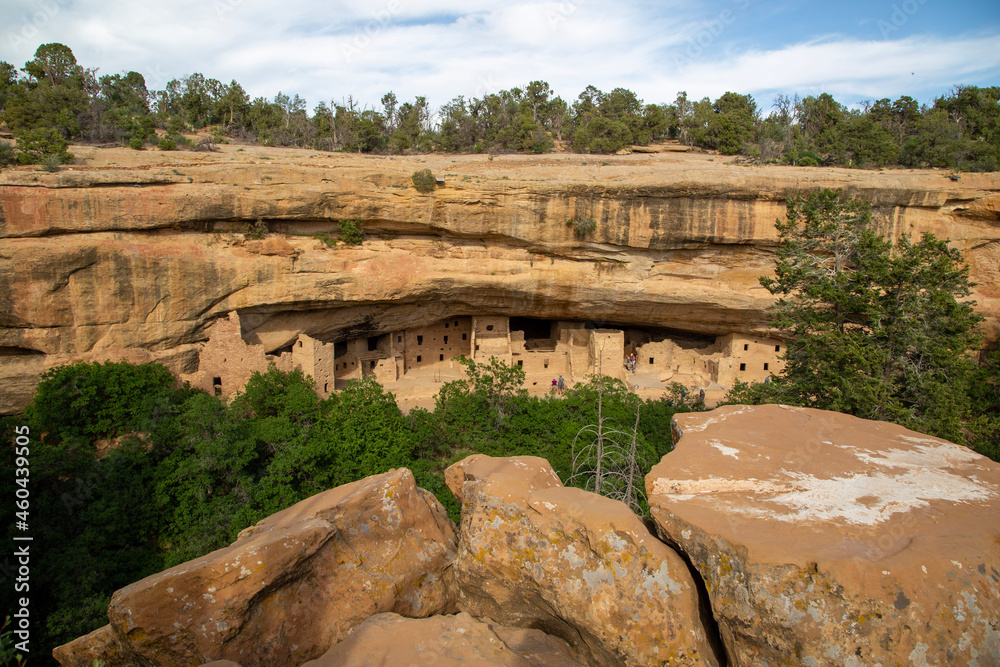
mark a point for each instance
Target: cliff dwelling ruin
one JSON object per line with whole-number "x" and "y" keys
{"x": 413, "y": 363}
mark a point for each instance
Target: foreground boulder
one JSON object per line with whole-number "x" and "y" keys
{"x": 443, "y": 641}
{"x": 297, "y": 582}
{"x": 533, "y": 553}
{"x": 825, "y": 539}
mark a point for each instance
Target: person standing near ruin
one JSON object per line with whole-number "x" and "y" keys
{"x": 562, "y": 384}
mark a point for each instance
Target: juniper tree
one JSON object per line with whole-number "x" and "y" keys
{"x": 878, "y": 330}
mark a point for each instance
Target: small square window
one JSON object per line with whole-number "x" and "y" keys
{"x": 743, "y": 367}
{"x": 418, "y": 358}
{"x": 777, "y": 348}
{"x": 746, "y": 346}
{"x": 520, "y": 362}
{"x": 441, "y": 357}
{"x": 464, "y": 337}
{"x": 651, "y": 361}
{"x": 489, "y": 327}
{"x": 765, "y": 367}
{"x": 445, "y": 325}
{"x": 399, "y": 339}
{"x": 456, "y": 323}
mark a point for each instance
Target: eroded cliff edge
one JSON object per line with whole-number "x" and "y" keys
{"x": 105, "y": 260}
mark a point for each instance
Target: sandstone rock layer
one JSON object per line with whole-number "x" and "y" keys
{"x": 389, "y": 640}
{"x": 824, "y": 539}
{"x": 533, "y": 553}
{"x": 106, "y": 258}
{"x": 297, "y": 582}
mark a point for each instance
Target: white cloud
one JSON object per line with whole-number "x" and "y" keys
{"x": 846, "y": 68}
{"x": 444, "y": 48}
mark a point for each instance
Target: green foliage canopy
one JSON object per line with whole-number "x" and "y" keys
{"x": 880, "y": 331}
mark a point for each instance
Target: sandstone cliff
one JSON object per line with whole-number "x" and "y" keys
{"x": 103, "y": 258}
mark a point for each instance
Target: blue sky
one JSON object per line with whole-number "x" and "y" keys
{"x": 327, "y": 50}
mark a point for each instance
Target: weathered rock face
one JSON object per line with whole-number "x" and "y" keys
{"x": 108, "y": 258}
{"x": 533, "y": 553}
{"x": 101, "y": 645}
{"x": 445, "y": 641}
{"x": 297, "y": 582}
{"x": 825, "y": 539}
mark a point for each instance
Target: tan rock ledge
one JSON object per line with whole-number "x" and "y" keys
{"x": 824, "y": 539}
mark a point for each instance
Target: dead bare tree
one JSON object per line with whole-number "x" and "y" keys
{"x": 606, "y": 458}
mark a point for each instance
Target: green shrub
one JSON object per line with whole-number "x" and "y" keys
{"x": 51, "y": 163}
{"x": 34, "y": 145}
{"x": 328, "y": 239}
{"x": 175, "y": 125}
{"x": 582, "y": 226}
{"x": 7, "y": 155}
{"x": 351, "y": 231}
{"x": 166, "y": 144}
{"x": 256, "y": 231}
{"x": 136, "y": 143}
{"x": 424, "y": 181}
{"x": 808, "y": 161}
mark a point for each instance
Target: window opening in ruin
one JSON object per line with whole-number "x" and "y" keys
{"x": 477, "y": 348}
{"x": 373, "y": 343}
{"x": 445, "y": 325}
{"x": 418, "y": 358}
{"x": 520, "y": 362}
{"x": 217, "y": 386}
{"x": 464, "y": 337}
{"x": 372, "y": 367}
{"x": 420, "y": 340}
{"x": 399, "y": 339}
{"x": 445, "y": 340}
{"x": 440, "y": 357}
{"x": 489, "y": 327}
{"x": 743, "y": 367}
{"x": 777, "y": 348}
{"x": 651, "y": 361}
{"x": 300, "y": 343}
{"x": 746, "y": 346}
{"x": 546, "y": 362}
{"x": 326, "y": 386}
{"x": 456, "y": 323}
{"x": 765, "y": 367}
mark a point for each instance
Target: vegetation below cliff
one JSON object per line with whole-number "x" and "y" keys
{"x": 59, "y": 101}
{"x": 130, "y": 475}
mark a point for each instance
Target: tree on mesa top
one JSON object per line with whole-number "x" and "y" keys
{"x": 876, "y": 330}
